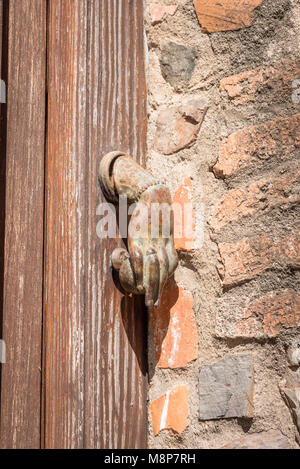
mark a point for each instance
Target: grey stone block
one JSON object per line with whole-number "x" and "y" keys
{"x": 177, "y": 63}
{"x": 226, "y": 388}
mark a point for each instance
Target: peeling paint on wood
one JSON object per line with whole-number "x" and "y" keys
{"x": 94, "y": 354}
{"x": 23, "y": 263}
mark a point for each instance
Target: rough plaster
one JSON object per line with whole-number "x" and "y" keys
{"x": 274, "y": 35}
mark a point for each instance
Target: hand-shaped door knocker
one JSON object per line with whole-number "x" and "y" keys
{"x": 151, "y": 257}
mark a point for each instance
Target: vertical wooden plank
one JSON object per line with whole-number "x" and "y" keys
{"x": 116, "y": 339}
{"x": 95, "y": 358}
{"x": 3, "y": 76}
{"x": 65, "y": 228}
{"x": 2, "y": 176}
{"x": 23, "y": 265}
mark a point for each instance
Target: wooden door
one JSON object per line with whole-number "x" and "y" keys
{"x": 76, "y": 369}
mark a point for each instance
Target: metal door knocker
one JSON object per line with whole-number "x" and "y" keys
{"x": 151, "y": 257}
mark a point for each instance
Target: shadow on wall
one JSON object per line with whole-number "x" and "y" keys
{"x": 136, "y": 330}
{"x": 160, "y": 319}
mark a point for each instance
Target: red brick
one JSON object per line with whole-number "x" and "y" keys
{"x": 158, "y": 11}
{"x": 278, "y": 138}
{"x": 170, "y": 412}
{"x": 249, "y": 257}
{"x": 225, "y": 15}
{"x": 248, "y": 86}
{"x": 184, "y": 217}
{"x": 174, "y": 328}
{"x": 178, "y": 126}
{"x": 259, "y": 197}
{"x": 266, "y": 317}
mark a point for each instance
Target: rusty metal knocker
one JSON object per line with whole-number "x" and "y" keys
{"x": 151, "y": 257}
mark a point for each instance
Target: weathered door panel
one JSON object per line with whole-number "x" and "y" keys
{"x": 94, "y": 374}
{"x": 24, "y": 144}
{"x": 76, "y": 371}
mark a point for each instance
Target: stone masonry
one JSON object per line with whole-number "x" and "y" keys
{"x": 224, "y": 135}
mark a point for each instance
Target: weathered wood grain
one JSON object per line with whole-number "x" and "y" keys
{"x": 115, "y": 338}
{"x": 65, "y": 229}
{"x": 3, "y": 75}
{"x": 95, "y": 372}
{"x": 23, "y": 264}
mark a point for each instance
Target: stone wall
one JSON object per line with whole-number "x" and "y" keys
{"x": 224, "y": 115}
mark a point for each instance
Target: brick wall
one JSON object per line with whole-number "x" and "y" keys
{"x": 224, "y": 115}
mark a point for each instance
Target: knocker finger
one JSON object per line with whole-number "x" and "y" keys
{"x": 163, "y": 267}
{"x": 136, "y": 256}
{"x": 121, "y": 261}
{"x": 151, "y": 278}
